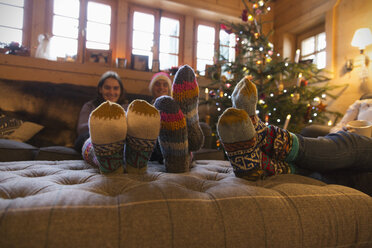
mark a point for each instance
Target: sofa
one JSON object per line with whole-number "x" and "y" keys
{"x": 48, "y": 200}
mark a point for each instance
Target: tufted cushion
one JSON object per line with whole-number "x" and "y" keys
{"x": 69, "y": 204}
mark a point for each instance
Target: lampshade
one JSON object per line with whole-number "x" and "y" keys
{"x": 362, "y": 38}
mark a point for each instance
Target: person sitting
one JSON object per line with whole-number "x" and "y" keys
{"x": 109, "y": 88}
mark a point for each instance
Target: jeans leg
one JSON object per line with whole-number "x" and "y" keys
{"x": 340, "y": 150}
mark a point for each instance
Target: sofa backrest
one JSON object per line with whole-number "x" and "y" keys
{"x": 54, "y": 106}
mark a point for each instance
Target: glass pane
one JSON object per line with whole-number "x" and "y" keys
{"x": 95, "y": 45}
{"x": 308, "y": 46}
{"x": 232, "y": 40}
{"x": 232, "y": 54}
{"x": 8, "y": 35}
{"x": 62, "y": 47}
{"x": 309, "y": 57}
{"x": 146, "y": 53}
{"x": 11, "y": 16}
{"x": 200, "y": 65}
{"x": 142, "y": 40}
{"x": 224, "y": 38}
{"x": 13, "y": 2}
{"x": 168, "y": 44}
{"x": 68, "y": 8}
{"x": 224, "y": 52}
{"x": 205, "y": 51}
{"x": 321, "y": 60}
{"x": 321, "y": 41}
{"x": 143, "y": 22}
{"x": 98, "y": 12}
{"x": 169, "y": 27}
{"x": 206, "y": 34}
{"x": 64, "y": 26}
{"x": 98, "y": 32}
{"x": 167, "y": 61}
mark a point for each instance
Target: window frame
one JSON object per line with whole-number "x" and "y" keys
{"x": 216, "y": 27}
{"x": 310, "y": 33}
{"x": 157, "y": 16}
{"x": 83, "y": 19}
{"x": 27, "y": 23}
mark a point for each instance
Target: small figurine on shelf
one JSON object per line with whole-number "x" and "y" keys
{"x": 15, "y": 48}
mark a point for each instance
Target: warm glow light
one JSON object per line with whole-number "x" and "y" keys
{"x": 362, "y": 38}
{"x": 329, "y": 123}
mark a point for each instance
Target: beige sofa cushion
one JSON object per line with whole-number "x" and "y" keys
{"x": 69, "y": 204}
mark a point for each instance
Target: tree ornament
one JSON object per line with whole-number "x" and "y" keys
{"x": 245, "y": 15}
{"x": 212, "y": 94}
{"x": 295, "y": 97}
{"x": 321, "y": 106}
{"x": 303, "y": 82}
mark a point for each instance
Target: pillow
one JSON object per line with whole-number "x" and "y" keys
{"x": 14, "y": 129}
{"x": 11, "y": 150}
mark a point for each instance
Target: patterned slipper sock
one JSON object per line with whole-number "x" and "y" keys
{"x": 245, "y": 97}
{"x": 143, "y": 130}
{"x": 275, "y": 142}
{"x": 108, "y": 130}
{"x": 173, "y": 135}
{"x": 247, "y": 160}
{"x": 185, "y": 91}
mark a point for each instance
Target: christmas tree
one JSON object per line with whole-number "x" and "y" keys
{"x": 291, "y": 94}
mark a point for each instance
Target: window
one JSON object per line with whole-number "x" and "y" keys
{"x": 227, "y": 49}
{"x": 313, "y": 48}
{"x": 157, "y": 35}
{"x": 79, "y": 24}
{"x": 204, "y": 47}
{"x": 11, "y": 29}
{"x": 169, "y": 42}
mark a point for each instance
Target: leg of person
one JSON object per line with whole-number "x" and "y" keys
{"x": 108, "y": 130}
{"x": 274, "y": 141}
{"x": 173, "y": 135}
{"x": 185, "y": 91}
{"x": 143, "y": 129}
{"x": 342, "y": 150}
{"x": 239, "y": 139}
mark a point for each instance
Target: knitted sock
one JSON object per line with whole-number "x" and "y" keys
{"x": 143, "y": 130}
{"x": 108, "y": 130}
{"x": 173, "y": 135}
{"x": 275, "y": 142}
{"x": 245, "y": 97}
{"x": 239, "y": 139}
{"x": 185, "y": 91}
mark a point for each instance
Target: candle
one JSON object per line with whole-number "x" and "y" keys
{"x": 299, "y": 79}
{"x": 287, "y": 121}
{"x": 297, "y": 57}
{"x": 206, "y": 94}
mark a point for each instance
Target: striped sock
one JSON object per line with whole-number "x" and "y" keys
{"x": 143, "y": 130}
{"x": 245, "y": 97}
{"x": 108, "y": 130}
{"x": 185, "y": 91}
{"x": 173, "y": 135}
{"x": 239, "y": 139}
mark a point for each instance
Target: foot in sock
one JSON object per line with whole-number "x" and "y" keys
{"x": 173, "y": 135}
{"x": 108, "y": 130}
{"x": 239, "y": 140}
{"x": 275, "y": 142}
{"x": 245, "y": 97}
{"x": 143, "y": 130}
{"x": 185, "y": 91}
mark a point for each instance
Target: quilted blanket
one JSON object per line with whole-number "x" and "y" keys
{"x": 70, "y": 204}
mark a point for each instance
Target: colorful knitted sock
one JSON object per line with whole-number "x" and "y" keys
{"x": 275, "y": 142}
{"x": 108, "y": 130}
{"x": 239, "y": 139}
{"x": 245, "y": 97}
{"x": 143, "y": 130}
{"x": 173, "y": 135}
{"x": 185, "y": 91}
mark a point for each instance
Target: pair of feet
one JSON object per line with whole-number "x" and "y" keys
{"x": 122, "y": 140}
{"x": 254, "y": 149}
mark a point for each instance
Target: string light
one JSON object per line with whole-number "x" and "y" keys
{"x": 272, "y": 94}
{"x": 286, "y": 64}
{"x": 261, "y": 3}
{"x": 268, "y": 8}
{"x": 257, "y": 111}
{"x": 278, "y": 120}
{"x": 256, "y": 35}
{"x": 329, "y": 123}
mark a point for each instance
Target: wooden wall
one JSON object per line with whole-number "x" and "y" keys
{"x": 340, "y": 19}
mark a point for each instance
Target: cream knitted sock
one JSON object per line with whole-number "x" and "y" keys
{"x": 143, "y": 130}
{"x": 108, "y": 130}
